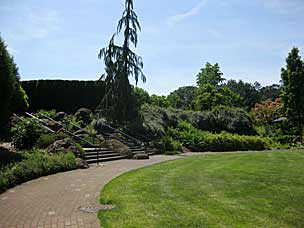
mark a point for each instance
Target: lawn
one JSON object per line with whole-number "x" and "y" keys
{"x": 219, "y": 190}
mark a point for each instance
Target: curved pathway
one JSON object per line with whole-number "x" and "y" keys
{"x": 54, "y": 201}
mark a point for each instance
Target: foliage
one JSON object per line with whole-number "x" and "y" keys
{"x": 183, "y": 98}
{"x": 25, "y": 133}
{"x": 48, "y": 113}
{"x": 270, "y": 92}
{"x": 141, "y": 96}
{"x": 155, "y": 121}
{"x": 210, "y": 96}
{"x": 220, "y": 190}
{"x": 292, "y": 90}
{"x": 121, "y": 63}
{"x": 49, "y": 94}
{"x": 47, "y": 139}
{"x": 35, "y": 164}
{"x": 210, "y": 74}
{"x": 12, "y": 96}
{"x": 160, "y": 101}
{"x": 205, "y": 141}
{"x": 268, "y": 111}
{"x": 20, "y": 100}
{"x": 233, "y": 120}
{"x": 170, "y": 144}
{"x": 249, "y": 92}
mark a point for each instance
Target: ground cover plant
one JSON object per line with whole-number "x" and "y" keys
{"x": 34, "y": 164}
{"x": 221, "y": 190}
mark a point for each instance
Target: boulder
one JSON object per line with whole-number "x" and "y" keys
{"x": 84, "y": 115}
{"x": 54, "y": 125}
{"x": 60, "y": 115}
{"x": 82, "y": 164}
{"x": 65, "y": 146}
{"x": 141, "y": 156}
{"x": 119, "y": 147}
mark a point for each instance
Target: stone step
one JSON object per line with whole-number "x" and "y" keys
{"x": 99, "y": 152}
{"x": 91, "y": 156}
{"x": 90, "y": 161}
{"x": 138, "y": 149}
{"x": 139, "y": 152}
{"x": 89, "y": 149}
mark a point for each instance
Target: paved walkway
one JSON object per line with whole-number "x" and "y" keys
{"x": 54, "y": 201}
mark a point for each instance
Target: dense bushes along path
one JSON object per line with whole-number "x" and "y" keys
{"x": 54, "y": 201}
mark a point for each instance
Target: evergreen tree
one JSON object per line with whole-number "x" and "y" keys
{"x": 7, "y": 82}
{"x": 293, "y": 90}
{"x": 122, "y": 62}
{"x": 12, "y": 96}
{"x": 210, "y": 74}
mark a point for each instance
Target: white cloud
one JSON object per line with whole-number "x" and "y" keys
{"x": 190, "y": 13}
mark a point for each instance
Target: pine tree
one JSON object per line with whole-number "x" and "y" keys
{"x": 293, "y": 90}
{"x": 121, "y": 63}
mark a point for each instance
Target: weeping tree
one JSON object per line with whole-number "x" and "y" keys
{"x": 120, "y": 64}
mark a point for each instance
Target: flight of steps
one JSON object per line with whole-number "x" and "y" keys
{"x": 95, "y": 155}
{"x": 136, "y": 147}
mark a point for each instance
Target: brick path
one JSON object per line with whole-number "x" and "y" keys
{"x": 54, "y": 201}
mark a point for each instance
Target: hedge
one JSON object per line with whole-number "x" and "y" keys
{"x": 63, "y": 95}
{"x": 202, "y": 141}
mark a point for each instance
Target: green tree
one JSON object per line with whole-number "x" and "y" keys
{"x": 210, "y": 96}
{"x": 210, "y": 74}
{"x": 121, "y": 63}
{"x": 12, "y": 96}
{"x": 248, "y": 92}
{"x": 183, "y": 97}
{"x": 142, "y": 96}
{"x": 160, "y": 101}
{"x": 270, "y": 92}
{"x": 292, "y": 90}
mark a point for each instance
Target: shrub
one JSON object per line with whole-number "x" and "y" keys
{"x": 48, "y": 113}
{"x": 198, "y": 140}
{"x": 35, "y": 164}
{"x": 25, "y": 133}
{"x": 233, "y": 120}
{"x": 47, "y": 139}
{"x": 170, "y": 144}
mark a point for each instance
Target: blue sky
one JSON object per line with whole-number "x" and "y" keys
{"x": 56, "y": 39}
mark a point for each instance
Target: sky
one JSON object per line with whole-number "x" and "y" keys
{"x": 60, "y": 39}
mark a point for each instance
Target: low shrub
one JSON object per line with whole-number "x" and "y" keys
{"x": 35, "y": 164}
{"x": 47, "y": 139}
{"x": 170, "y": 144}
{"x": 25, "y": 133}
{"x": 155, "y": 121}
{"x": 198, "y": 140}
{"x": 48, "y": 113}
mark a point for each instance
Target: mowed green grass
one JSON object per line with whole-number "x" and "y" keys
{"x": 222, "y": 190}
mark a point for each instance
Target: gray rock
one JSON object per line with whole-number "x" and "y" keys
{"x": 60, "y": 115}
{"x": 141, "y": 156}
{"x": 82, "y": 164}
{"x": 64, "y": 146}
{"x": 54, "y": 125}
{"x": 84, "y": 115}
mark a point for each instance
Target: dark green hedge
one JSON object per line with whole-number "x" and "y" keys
{"x": 63, "y": 95}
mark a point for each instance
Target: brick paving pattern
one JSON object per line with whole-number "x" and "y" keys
{"x": 54, "y": 201}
